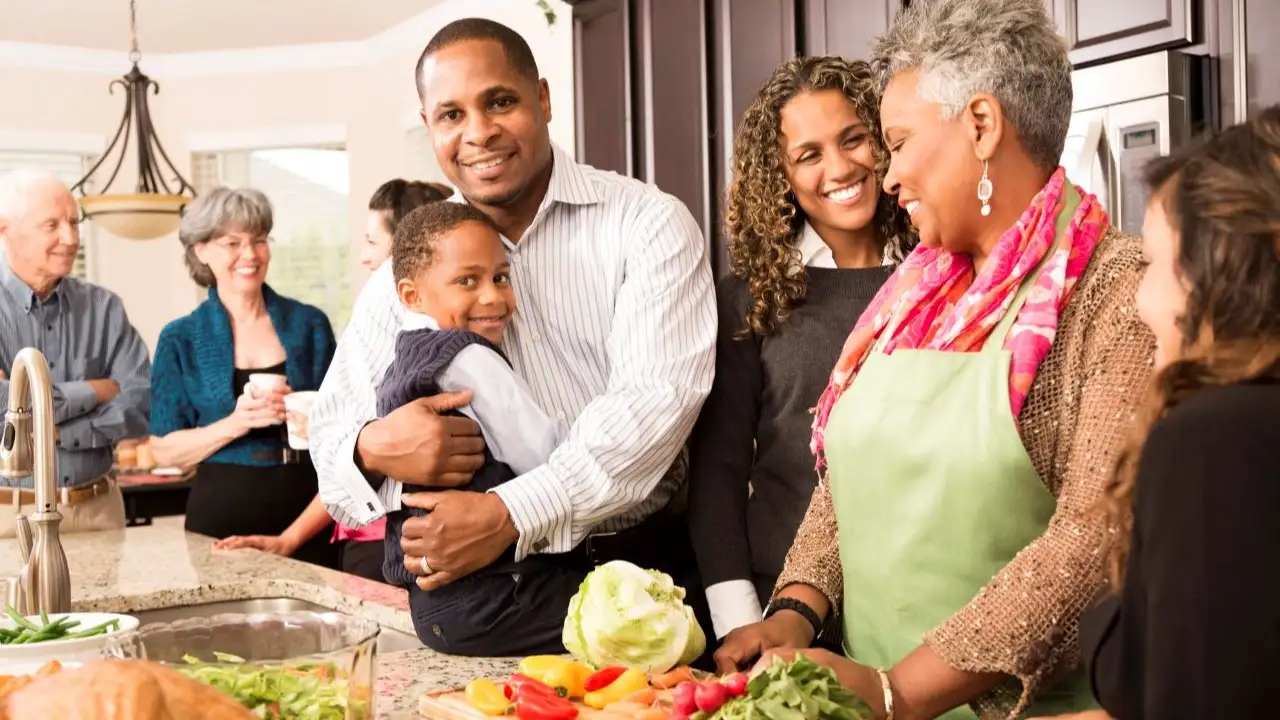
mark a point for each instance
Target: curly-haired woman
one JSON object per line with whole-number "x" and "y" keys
{"x": 809, "y": 235}
{"x": 1194, "y": 631}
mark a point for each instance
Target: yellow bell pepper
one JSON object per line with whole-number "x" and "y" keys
{"x": 535, "y": 666}
{"x": 564, "y": 675}
{"x": 628, "y": 682}
{"x": 487, "y": 697}
{"x": 571, "y": 676}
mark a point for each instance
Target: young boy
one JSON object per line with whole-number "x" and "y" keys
{"x": 453, "y": 276}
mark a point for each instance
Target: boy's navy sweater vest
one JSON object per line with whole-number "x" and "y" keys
{"x": 421, "y": 357}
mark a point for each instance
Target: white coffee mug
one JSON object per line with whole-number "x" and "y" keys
{"x": 299, "y": 403}
{"x": 268, "y": 381}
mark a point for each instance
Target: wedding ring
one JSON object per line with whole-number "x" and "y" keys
{"x": 426, "y": 569}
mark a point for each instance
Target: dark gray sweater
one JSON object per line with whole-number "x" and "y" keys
{"x": 755, "y": 426}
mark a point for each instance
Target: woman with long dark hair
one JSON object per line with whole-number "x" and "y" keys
{"x": 1193, "y": 630}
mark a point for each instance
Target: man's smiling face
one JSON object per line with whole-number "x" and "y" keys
{"x": 488, "y": 121}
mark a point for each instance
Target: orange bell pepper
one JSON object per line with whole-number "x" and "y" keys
{"x": 567, "y": 677}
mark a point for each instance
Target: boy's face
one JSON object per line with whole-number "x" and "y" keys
{"x": 467, "y": 286}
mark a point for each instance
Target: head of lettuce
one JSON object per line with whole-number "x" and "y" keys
{"x": 626, "y": 615}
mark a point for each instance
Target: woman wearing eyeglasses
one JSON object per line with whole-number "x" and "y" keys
{"x": 206, "y": 411}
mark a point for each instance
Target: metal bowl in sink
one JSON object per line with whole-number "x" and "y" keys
{"x": 309, "y": 664}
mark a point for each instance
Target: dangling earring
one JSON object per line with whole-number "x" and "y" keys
{"x": 985, "y": 190}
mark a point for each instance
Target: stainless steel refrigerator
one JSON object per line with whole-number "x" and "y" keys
{"x": 1124, "y": 114}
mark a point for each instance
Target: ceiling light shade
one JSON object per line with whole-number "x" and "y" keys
{"x": 136, "y": 216}
{"x": 155, "y": 208}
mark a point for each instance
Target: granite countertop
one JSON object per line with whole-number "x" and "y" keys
{"x": 161, "y": 565}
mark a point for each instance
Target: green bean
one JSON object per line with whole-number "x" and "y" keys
{"x": 13, "y": 615}
{"x": 97, "y": 629}
{"x": 63, "y": 628}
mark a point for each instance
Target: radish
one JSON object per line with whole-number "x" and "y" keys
{"x": 710, "y": 695}
{"x": 683, "y": 698}
{"x": 736, "y": 684}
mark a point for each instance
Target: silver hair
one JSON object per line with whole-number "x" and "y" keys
{"x": 16, "y": 187}
{"x": 1008, "y": 48}
{"x": 216, "y": 213}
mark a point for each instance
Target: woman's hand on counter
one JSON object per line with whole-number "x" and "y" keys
{"x": 280, "y": 545}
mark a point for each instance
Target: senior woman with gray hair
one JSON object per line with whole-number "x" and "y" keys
{"x": 204, "y": 409}
{"x": 980, "y": 402}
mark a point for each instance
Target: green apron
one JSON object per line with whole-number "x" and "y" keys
{"x": 934, "y": 493}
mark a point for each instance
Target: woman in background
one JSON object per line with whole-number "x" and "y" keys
{"x": 390, "y": 203}
{"x": 978, "y": 407}
{"x": 1193, "y": 631}
{"x": 204, "y": 410}
{"x": 360, "y": 549}
{"x": 810, "y": 238}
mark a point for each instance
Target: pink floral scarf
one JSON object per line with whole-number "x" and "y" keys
{"x": 935, "y": 302}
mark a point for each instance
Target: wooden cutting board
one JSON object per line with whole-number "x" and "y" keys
{"x": 452, "y": 705}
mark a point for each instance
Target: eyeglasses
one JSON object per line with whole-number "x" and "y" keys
{"x": 235, "y": 246}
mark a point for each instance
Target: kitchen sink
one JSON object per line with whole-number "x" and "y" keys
{"x": 388, "y": 640}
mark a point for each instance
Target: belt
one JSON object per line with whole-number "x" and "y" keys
{"x": 66, "y": 495}
{"x": 284, "y": 456}
{"x": 647, "y": 544}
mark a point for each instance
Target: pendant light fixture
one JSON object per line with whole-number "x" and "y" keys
{"x": 154, "y": 210}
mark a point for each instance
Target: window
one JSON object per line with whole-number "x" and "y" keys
{"x": 69, "y": 167}
{"x": 308, "y": 188}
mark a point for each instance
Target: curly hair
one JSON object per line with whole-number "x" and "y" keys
{"x": 762, "y": 218}
{"x": 414, "y": 244}
{"x": 1223, "y": 199}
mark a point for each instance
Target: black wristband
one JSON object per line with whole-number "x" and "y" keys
{"x": 808, "y": 613}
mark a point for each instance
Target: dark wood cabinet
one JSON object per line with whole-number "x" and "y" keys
{"x": 1102, "y": 30}
{"x": 669, "y": 52}
{"x": 750, "y": 39}
{"x": 641, "y": 91}
{"x": 602, "y": 75}
{"x": 1248, "y": 58}
{"x": 847, "y": 28}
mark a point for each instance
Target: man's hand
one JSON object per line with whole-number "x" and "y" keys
{"x": 416, "y": 445}
{"x": 461, "y": 533}
{"x": 105, "y": 389}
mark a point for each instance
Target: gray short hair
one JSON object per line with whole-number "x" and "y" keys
{"x": 1008, "y": 48}
{"x": 216, "y": 213}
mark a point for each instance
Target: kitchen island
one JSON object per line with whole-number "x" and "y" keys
{"x": 161, "y": 566}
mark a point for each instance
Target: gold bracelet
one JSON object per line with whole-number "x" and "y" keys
{"x": 888, "y": 694}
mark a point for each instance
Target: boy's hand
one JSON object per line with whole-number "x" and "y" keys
{"x": 416, "y": 445}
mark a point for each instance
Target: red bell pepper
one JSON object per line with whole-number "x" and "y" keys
{"x": 535, "y": 706}
{"x": 521, "y": 685}
{"x": 603, "y": 678}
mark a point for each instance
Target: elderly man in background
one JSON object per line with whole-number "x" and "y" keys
{"x": 97, "y": 361}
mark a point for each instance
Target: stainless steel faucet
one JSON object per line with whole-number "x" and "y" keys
{"x": 27, "y": 448}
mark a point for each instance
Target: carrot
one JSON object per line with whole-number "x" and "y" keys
{"x": 673, "y": 678}
{"x": 652, "y": 713}
{"x": 644, "y": 698}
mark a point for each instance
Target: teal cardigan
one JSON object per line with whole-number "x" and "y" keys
{"x": 191, "y": 375}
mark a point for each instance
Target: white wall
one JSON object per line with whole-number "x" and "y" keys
{"x": 217, "y": 101}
